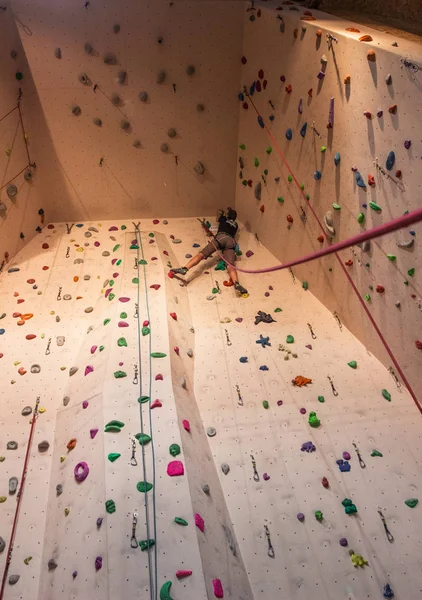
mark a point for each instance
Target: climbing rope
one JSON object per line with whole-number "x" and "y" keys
{"x": 153, "y": 581}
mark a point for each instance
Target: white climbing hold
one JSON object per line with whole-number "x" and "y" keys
{"x": 329, "y": 223}
{"x": 189, "y": 352}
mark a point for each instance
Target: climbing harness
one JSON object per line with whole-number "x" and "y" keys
{"x": 227, "y": 338}
{"x": 388, "y": 533}
{"x": 361, "y": 462}
{"x": 133, "y": 460}
{"x": 313, "y": 336}
{"x": 47, "y": 350}
{"x": 133, "y": 540}
{"x": 337, "y": 318}
{"x": 135, "y": 380}
{"x": 136, "y": 315}
{"x": 239, "y": 395}
{"x": 270, "y": 552}
{"x": 255, "y": 472}
{"x": 59, "y": 294}
{"x": 335, "y": 392}
{"x": 69, "y": 227}
{"x": 68, "y": 252}
{"x": 396, "y": 379}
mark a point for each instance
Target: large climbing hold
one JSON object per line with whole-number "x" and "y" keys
{"x": 218, "y": 588}
{"x": 165, "y": 591}
{"x": 391, "y": 159}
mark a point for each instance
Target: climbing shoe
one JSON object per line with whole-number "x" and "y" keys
{"x": 180, "y": 271}
{"x": 240, "y": 288}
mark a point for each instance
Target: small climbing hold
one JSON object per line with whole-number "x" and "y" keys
{"x": 71, "y": 444}
{"x": 318, "y": 515}
{"x": 180, "y": 521}
{"x": 411, "y": 272}
{"x": 13, "y": 579}
{"x": 359, "y": 180}
{"x": 289, "y": 134}
{"x": 386, "y": 395}
{"x": 393, "y": 109}
{"x": 186, "y": 425}
{"x": 357, "y": 559}
{"x": 300, "y": 517}
{"x": 308, "y": 447}
{"x": 321, "y": 399}
{"x": 371, "y": 56}
{"x": 211, "y": 431}
{"x": 347, "y": 79}
{"x": 303, "y": 129}
{"x": 81, "y": 471}
{"x": 325, "y": 482}
{"x": 353, "y": 364}
{"x": 376, "y": 453}
{"x": 175, "y": 468}
{"x": 343, "y": 465}
{"x": 317, "y": 175}
{"x": 218, "y": 588}
{"x": 300, "y": 381}
{"x": 343, "y": 542}
{"x": 265, "y": 404}
{"x": 199, "y": 522}
{"x": 313, "y": 420}
{"x": 411, "y": 502}
{"x": 144, "y": 486}
{"x": 290, "y": 339}
{"x": 43, "y": 446}
{"x": 349, "y": 507}
{"x": 387, "y": 591}
{"x": 225, "y": 468}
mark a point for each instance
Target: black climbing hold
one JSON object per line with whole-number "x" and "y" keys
{"x": 137, "y": 144}
{"x": 88, "y": 48}
{"x": 143, "y": 97}
{"x": 116, "y": 100}
{"x": 125, "y": 125}
{"x": 28, "y": 175}
{"x": 190, "y": 70}
{"x": 200, "y": 107}
{"x": 13, "y": 54}
{"x": 97, "y": 122}
{"x": 110, "y": 59}
{"x": 161, "y": 77}
{"x": 122, "y": 77}
{"x": 199, "y": 168}
{"x": 116, "y": 28}
{"x": 257, "y": 191}
{"x": 164, "y": 148}
{"x": 76, "y": 111}
{"x": 52, "y": 564}
{"x": 84, "y": 79}
{"x": 172, "y": 132}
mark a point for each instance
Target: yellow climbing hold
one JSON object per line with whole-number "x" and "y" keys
{"x": 80, "y": 249}
{"x": 62, "y": 458}
{"x": 42, "y": 409}
{"x": 66, "y": 511}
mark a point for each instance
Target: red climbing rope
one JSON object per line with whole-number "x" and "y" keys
{"x": 19, "y": 500}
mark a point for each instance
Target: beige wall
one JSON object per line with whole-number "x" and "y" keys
{"x": 141, "y": 180}
{"x": 360, "y": 142}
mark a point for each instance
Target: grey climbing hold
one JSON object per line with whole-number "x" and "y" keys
{"x": 190, "y": 70}
{"x": 211, "y": 431}
{"x": 13, "y": 485}
{"x": 164, "y": 148}
{"x": 66, "y": 400}
{"x": 161, "y": 77}
{"x": 52, "y": 564}
{"x": 87, "y": 234}
{"x": 35, "y": 368}
{"x": 389, "y": 79}
{"x": 3, "y": 207}
{"x": 94, "y": 229}
{"x": 200, "y": 107}
{"x": 13, "y": 579}
{"x": 230, "y": 540}
{"x": 172, "y": 132}
{"x": 2, "y": 545}
{"x": 28, "y": 175}
{"x": 97, "y": 121}
{"x": 78, "y": 261}
{"x": 87, "y": 277}
{"x": 199, "y": 168}
{"x": 110, "y": 59}
{"x": 143, "y": 97}
{"x": 72, "y": 371}
{"x": 58, "y": 53}
{"x": 329, "y": 224}
{"x": 59, "y": 489}
{"x": 43, "y": 446}
{"x": 205, "y": 488}
{"x": 76, "y": 111}
{"x": 258, "y": 190}
{"x": 225, "y": 468}
{"x": 11, "y": 190}
{"x": 365, "y": 246}
{"x": 13, "y": 54}
{"x": 84, "y": 79}
{"x": 183, "y": 383}
{"x": 116, "y": 100}
{"x": 406, "y": 245}
{"x": 391, "y": 159}
{"x": 88, "y": 48}
{"x": 122, "y": 77}
{"x": 189, "y": 352}
{"x": 26, "y": 411}
{"x": 12, "y": 445}
{"x": 67, "y": 297}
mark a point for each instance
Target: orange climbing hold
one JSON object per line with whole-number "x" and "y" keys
{"x": 228, "y": 283}
{"x": 318, "y": 32}
{"x": 289, "y": 89}
{"x": 320, "y": 239}
{"x": 365, "y": 38}
{"x": 21, "y": 371}
{"x": 353, "y": 29}
{"x": 308, "y": 18}
{"x": 393, "y": 109}
{"x": 347, "y": 79}
{"x": 76, "y": 278}
{"x": 21, "y": 323}
{"x": 371, "y": 180}
{"x": 262, "y": 208}
{"x": 371, "y": 56}
{"x": 26, "y": 316}
{"x": 300, "y": 381}
{"x": 30, "y": 336}
{"x": 289, "y": 219}
{"x": 71, "y": 444}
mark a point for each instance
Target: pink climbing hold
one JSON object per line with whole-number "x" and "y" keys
{"x": 124, "y": 299}
{"x": 158, "y": 377}
{"x": 107, "y": 292}
{"x": 96, "y": 244}
{"x": 249, "y": 253}
{"x": 115, "y": 275}
{"x": 113, "y": 261}
{"x": 145, "y": 324}
{"x": 181, "y": 574}
{"x": 93, "y": 349}
{"x": 93, "y": 433}
{"x": 199, "y": 522}
{"x": 156, "y": 404}
{"x": 186, "y": 425}
{"x": 173, "y": 316}
{"x": 243, "y": 60}
{"x": 175, "y": 468}
{"x": 176, "y": 349}
{"x": 218, "y": 588}
{"x": 239, "y": 319}
{"x": 85, "y": 404}
{"x": 155, "y": 286}
{"x": 156, "y": 221}
{"x": 88, "y": 369}
{"x": 113, "y": 228}
{"x": 151, "y": 241}
{"x": 123, "y": 324}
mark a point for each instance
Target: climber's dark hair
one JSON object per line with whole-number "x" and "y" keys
{"x": 232, "y": 215}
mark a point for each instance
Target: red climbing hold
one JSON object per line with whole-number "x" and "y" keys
{"x": 156, "y": 221}
{"x": 156, "y": 404}
{"x": 186, "y": 425}
{"x": 156, "y": 286}
{"x": 264, "y": 84}
{"x": 380, "y": 289}
{"x": 173, "y": 316}
{"x": 181, "y": 574}
{"x": 310, "y": 92}
{"x": 16, "y": 315}
{"x": 289, "y": 219}
{"x": 418, "y": 345}
{"x": 159, "y": 377}
{"x": 243, "y": 60}
{"x": 145, "y": 324}
{"x": 20, "y": 300}
{"x": 45, "y": 268}
{"x": 320, "y": 239}
{"x": 176, "y": 349}
{"x": 245, "y": 105}
{"x": 349, "y": 263}
{"x": 393, "y": 109}
{"x": 30, "y": 336}
{"x": 325, "y": 482}
{"x": 45, "y": 246}
{"x": 262, "y": 208}
{"x": 258, "y": 86}
{"x": 169, "y": 274}
{"x": 398, "y": 173}
{"x": 250, "y": 182}
{"x": 261, "y": 74}
{"x": 199, "y": 522}
{"x": 258, "y": 13}
{"x": 289, "y": 88}
{"x": 371, "y": 180}
{"x": 228, "y": 283}
{"x": 30, "y": 281}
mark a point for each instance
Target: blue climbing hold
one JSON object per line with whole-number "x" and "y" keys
{"x": 317, "y": 175}
{"x": 261, "y": 121}
{"x": 364, "y": 206}
{"x": 289, "y": 134}
{"x": 13, "y": 270}
{"x": 391, "y": 159}
{"x": 359, "y": 180}
{"x": 412, "y": 232}
{"x": 264, "y": 368}
{"x": 2, "y": 331}
{"x": 303, "y": 129}
{"x": 195, "y": 245}
{"x": 343, "y": 465}
{"x": 387, "y": 592}
{"x": 243, "y": 359}
{"x": 79, "y": 224}
{"x": 271, "y": 117}
{"x": 337, "y": 159}
{"x": 241, "y": 96}
{"x": 252, "y": 89}
{"x": 264, "y": 341}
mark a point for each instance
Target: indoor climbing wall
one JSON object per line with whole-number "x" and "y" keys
{"x": 181, "y": 441}
{"x": 140, "y": 100}
{"x": 330, "y": 135}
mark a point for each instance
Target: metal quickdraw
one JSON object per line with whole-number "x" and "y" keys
{"x": 313, "y": 336}
{"x": 217, "y": 287}
{"x": 135, "y": 266}
{"x": 292, "y": 274}
{"x": 361, "y": 461}
{"x": 133, "y": 460}
{"x": 303, "y": 215}
{"x": 396, "y": 379}
{"x": 47, "y": 350}
{"x": 133, "y": 540}
{"x": 315, "y": 130}
{"x": 68, "y": 252}
{"x": 59, "y": 294}
{"x": 255, "y": 472}
{"x": 136, "y": 315}
{"x": 34, "y": 418}
{"x": 135, "y": 379}
{"x": 270, "y": 552}
{"x": 227, "y": 338}
{"x": 337, "y": 318}
{"x": 239, "y": 395}
{"x": 69, "y": 227}
{"x": 388, "y": 533}
{"x": 136, "y": 225}
{"x": 335, "y": 392}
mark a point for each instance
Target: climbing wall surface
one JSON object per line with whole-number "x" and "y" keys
{"x": 140, "y": 100}
{"x": 25, "y": 194}
{"x": 193, "y": 384}
{"x": 345, "y": 114}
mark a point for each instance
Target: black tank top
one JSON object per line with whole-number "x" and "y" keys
{"x": 226, "y": 226}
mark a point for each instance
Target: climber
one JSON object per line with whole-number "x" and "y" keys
{"x": 225, "y": 242}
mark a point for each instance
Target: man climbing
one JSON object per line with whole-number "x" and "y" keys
{"x": 224, "y": 241}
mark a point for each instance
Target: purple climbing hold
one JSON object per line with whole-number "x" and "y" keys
{"x": 343, "y": 542}
{"x": 98, "y": 563}
{"x": 85, "y": 404}
{"x": 308, "y": 447}
{"x": 124, "y": 299}
{"x": 74, "y": 574}
{"x": 99, "y": 522}
{"x": 88, "y": 369}
{"x": 321, "y": 75}
{"x": 300, "y": 517}
{"x": 264, "y": 368}
{"x": 303, "y": 411}
{"x": 282, "y": 78}
{"x": 279, "y": 402}
{"x": 93, "y": 433}
{"x": 113, "y": 228}
{"x": 309, "y": 346}
{"x": 249, "y": 253}
{"x": 267, "y": 294}
{"x": 266, "y": 477}
{"x": 407, "y": 144}
{"x": 81, "y": 471}
{"x": 270, "y": 287}
{"x": 346, "y": 455}
{"x": 239, "y": 319}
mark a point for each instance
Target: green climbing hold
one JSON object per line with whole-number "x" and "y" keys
{"x": 278, "y": 310}
{"x": 353, "y": 364}
{"x": 386, "y": 395}
{"x": 122, "y": 342}
{"x": 412, "y": 502}
{"x": 318, "y": 515}
{"x": 265, "y": 404}
{"x": 242, "y": 146}
{"x": 151, "y": 234}
{"x": 180, "y": 521}
{"x": 290, "y": 339}
{"x": 19, "y": 75}
{"x": 375, "y": 206}
{"x": 244, "y": 182}
{"x": 313, "y": 420}
{"x": 119, "y": 374}
{"x": 307, "y": 196}
{"x": 361, "y": 218}
{"x": 406, "y": 282}
{"x": 174, "y": 449}
{"x": 305, "y": 285}
{"x": 280, "y": 199}
{"x": 143, "y": 399}
{"x": 111, "y": 296}
{"x": 115, "y": 423}
{"x": 302, "y": 186}
{"x": 336, "y": 206}
{"x": 146, "y": 544}
{"x": 265, "y": 171}
{"x": 113, "y": 456}
{"x": 110, "y": 506}
{"x": 158, "y": 355}
{"x": 119, "y": 262}
{"x": 142, "y": 262}
{"x": 367, "y": 297}
{"x": 106, "y": 321}
{"x": 376, "y": 453}
{"x": 220, "y": 266}
{"x": 391, "y": 257}
{"x": 289, "y": 178}
{"x": 411, "y": 272}
{"x": 269, "y": 150}
{"x": 135, "y": 280}
{"x": 256, "y": 162}
{"x": 145, "y": 330}
{"x": 214, "y": 291}
{"x": 111, "y": 429}
{"x": 123, "y": 227}
{"x": 143, "y": 438}
{"x": 111, "y": 282}
{"x": 165, "y": 591}
{"x": 101, "y": 348}
{"x": 116, "y": 247}
{"x": 323, "y": 148}
{"x": 123, "y": 315}
{"x": 321, "y": 399}
{"x": 134, "y": 247}
{"x": 143, "y": 486}
{"x": 349, "y": 507}
{"x": 239, "y": 252}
